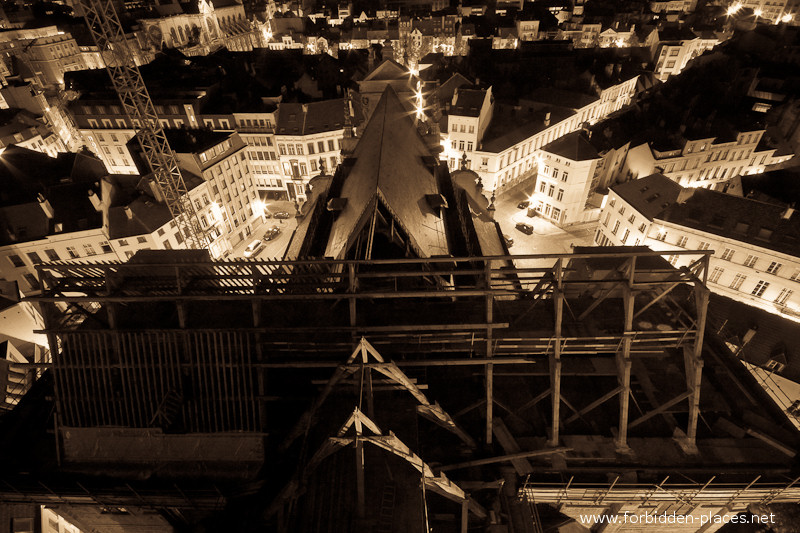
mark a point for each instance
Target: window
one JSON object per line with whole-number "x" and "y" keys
{"x": 774, "y": 267}
{"x": 89, "y": 249}
{"x": 605, "y": 222}
{"x": 564, "y": 176}
{"x": 331, "y": 147}
{"x": 612, "y": 202}
{"x": 51, "y": 254}
{"x": 141, "y": 240}
{"x": 73, "y": 253}
{"x": 751, "y": 260}
{"x": 795, "y": 276}
{"x": 311, "y": 148}
{"x": 556, "y": 214}
{"x": 715, "y": 274}
{"x": 299, "y": 149}
{"x": 703, "y": 246}
{"x": 560, "y": 195}
{"x": 555, "y": 173}
{"x": 643, "y": 227}
{"x": 622, "y": 210}
{"x": 34, "y": 284}
{"x": 454, "y": 128}
{"x": 682, "y": 241}
{"x": 626, "y": 235}
{"x": 105, "y": 247}
{"x": 282, "y": 149}
{"x": 290, "y": 147}
{"x": 737, "y": 282}
{"x": 551, "y": 190}
{"x": 727, "y": 255}
{"x": 463, "y": 128}
{"x": 34, "y": 258}
{"x": 616, "y": 227}
{"x": 320, "y": 146}
{"x": 460, "y": 146}
{"x": 672, "y": 259}
{"x": 542, "y": 187}
{"x": 16, "y": 260}
{"x": 662, "y": 235}
{"x": 760, "y": 287}
{"x": 632, "y": 219}
{"x": 472, "y": 129}
{"x": 784, "y": 296}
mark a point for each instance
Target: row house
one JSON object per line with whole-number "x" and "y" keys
{"x": 510, "y": 158}
{"x": 309, "y": 142}
{"x": 755, "y": 244}
{"x": 673, "y": 6}
{"x": 773, "y": 10}
{"x": 706, "y": 162}
{"x": 28, "y": 131}
{"x": 629, "y": 209}
{"x": 581, "y": 35}
{"x": 756, "y": 247}
{"x": 616, "y": 36}
{"x": 677, "y": 47}
{"x": 50, "y": 211}
{"x": 566, "y": 167}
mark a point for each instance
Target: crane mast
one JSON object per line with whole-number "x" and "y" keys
{"x": 106, "y": 29}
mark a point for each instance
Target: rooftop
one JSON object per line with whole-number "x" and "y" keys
{"x": 649, "y": 195}
{"x": 743, "y": 219}
{"x": 574, "y": 146}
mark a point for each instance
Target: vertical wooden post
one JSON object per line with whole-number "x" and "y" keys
{"x": 489, "y": 350}
{"x": 465, "y": 515}
{"x": 555, "y": 357}
{"x": 694, "y": 372}
{"x": 361, "y": 504}
{"x": 624, "y": 357}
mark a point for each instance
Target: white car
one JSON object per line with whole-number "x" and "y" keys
{"x": 253, "y": 248}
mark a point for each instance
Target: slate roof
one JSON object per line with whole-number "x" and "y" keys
{"x": 389, "y": 167}
{"x": 468, "y": 102}
{"x": 743, "y": 219}
{"x": 649, "y": 194}
{"x": 314, "y": 117}
{"x": 573, "y": 146}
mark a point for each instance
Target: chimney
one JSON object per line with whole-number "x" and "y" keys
{"x": 685, "y": 194}
{"x": 44, "y": 203}
{"x": 95, "y": 201}
{"x": 155, "y": 190}
{"x": 128, "y": 213}
{"x": 547, "y": 119}
{"x": 787, "y": 214}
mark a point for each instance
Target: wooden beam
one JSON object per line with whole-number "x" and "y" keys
{"x": 502, "y": 458}
{"x": 660, "y": 409}
{"x": 604, "y": 398}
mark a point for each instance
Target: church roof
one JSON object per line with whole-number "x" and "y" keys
{"x": 389, "y": 166}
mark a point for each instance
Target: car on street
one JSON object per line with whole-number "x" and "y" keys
{"x": 527, "y": 229}
{"x": 271, "y": 233}
{"x": 509, "y": 241}
{"x": 253, "y": 248}
{"x": 524, "y": 204}
{"x": 281, "y": 214}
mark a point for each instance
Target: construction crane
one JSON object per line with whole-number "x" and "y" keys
{"x": 107, "y": 32}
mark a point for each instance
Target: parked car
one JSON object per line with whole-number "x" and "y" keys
{"x": 253, "y": 248}
{"x": 267, "y": 214}
{"x": 271, "y": 233}
{"x": 509, "y": 241}
{"x": 524, "y": 204}
{"x": 281, "y": 214}
{"x": 527, "y": 229}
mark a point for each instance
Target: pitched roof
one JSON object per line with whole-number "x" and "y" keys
{"x": 468, "y": 102}
{"x": 649, "y": 194}
{"x": 388, "y": 167}
{"x": 573, "y": 146}
{"x": 314, "y": 117}
{"x": 388, "y": 70}
{"x": 742, "y": 219}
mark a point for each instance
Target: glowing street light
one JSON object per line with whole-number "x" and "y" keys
{"x": 758, "y": 12}
{"x": 786, "y": 18}
{"x": 733, "y": 9}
